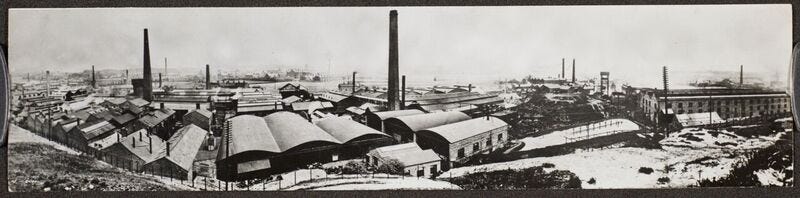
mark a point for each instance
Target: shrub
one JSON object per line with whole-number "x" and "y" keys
{"x": 391, "y": 166}
{"x": 645, "y": 170}
{"x": 548, "y": 165}
{"x": 354, "y": 167}
{"x": 663, "y": 180}
{"x": 591, "y": 181}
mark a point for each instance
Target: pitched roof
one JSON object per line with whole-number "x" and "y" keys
{"x": 91, "y": 130}
{"x": 383, "y": 115}
{"x": 346, "y": 130}
{"x": 332, "y": 97}
{"x": 184, "y": 145}
{"x": 107, "y": 141}
{"x": 123, "y": 118}
{"x": 429, "y": 120}
{"x": 116, "y": 101}
{"x": 300, "y": 106}
{"x": 199, "y": 113}
{"x": 154, "y": 117}
{"x": 143, "y": 145}
{"x": 139, "y": 102}
{"x": 248, "y": 133}
{"x": 291, "y": 99}
{"x": 461, "y": 130}
{"x": 698, "y": 119}
{"x": 409, "y": 154}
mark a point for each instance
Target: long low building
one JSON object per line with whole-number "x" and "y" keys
{"x": 727, "y": 103}
{"x": 404, "y": 128}
{"x": 459, "y": 141}
{"x": 255, "y": 147}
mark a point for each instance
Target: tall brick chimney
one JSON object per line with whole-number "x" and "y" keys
{"x": 391, "y": 94}
{"x": 562, "y": 69}
{"x": 147, "y": 93}
{"x": 94, "y": 80}
{"x": 208, "y": 77}
{"x": 573, "y": 70}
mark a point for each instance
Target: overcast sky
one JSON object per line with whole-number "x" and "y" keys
{"x": 632, "y": 42}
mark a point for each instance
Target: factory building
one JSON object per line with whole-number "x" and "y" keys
{"x": 727, "y": 103}
{"x": 459, "y": 141}
{"x": 176, "y": 160}
{"x": 254, "y": 147}
{"x": 199, "y": 117}
{"x": 138, "y": 148}
{"x": 376, "y": 120}
{"x": 294, "y": 90}
{"x": 86, "y": 133}
{"x": 404, "y": 128}
{"x": 416, "y": 162}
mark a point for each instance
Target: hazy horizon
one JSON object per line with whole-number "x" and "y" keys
{"x": 632, "y": 42}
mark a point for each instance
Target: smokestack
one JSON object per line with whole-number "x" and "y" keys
{"x": 127, "y": 78}
{"x": 403, "y": 91}
{"x": 573, "y": 70}
{"x": 165, "y": 68}
{"x": 159, "y": 79}
{"x": 47, "y": 81}
{"x": 393, "y": 62}
{"x": 94, "y": 80}
{"x": 469, "y": 88}
{"x": 133, "y": 142}
{"x": 208, "y": 77}
{"x": 562, "y": 69}
{"x": 354, "y": 84}
{"x": 118, "y": 137}
{"x": 146, "y": 73}
{"x": 168, "y": 148}
{"x": 741, "y": 75}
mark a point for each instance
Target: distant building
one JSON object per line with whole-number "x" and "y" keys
{"x": 416, "y": 162}
{"x": 727, "y": 103}
{"x": 294, "y": 90}
{"x": 459, "y": 141}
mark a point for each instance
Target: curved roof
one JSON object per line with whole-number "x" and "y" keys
{"x": 248, "y": 133}
{"x": 290, "y": 130}
{"x": 383, "y": 115}
{"x": 345, "y": 130}
{"x": 461, "y": 130}
{"x": 429, "y": 120}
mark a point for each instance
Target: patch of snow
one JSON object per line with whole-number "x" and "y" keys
{"x": 594, "y": 130}
{"x": 769, "y": 177}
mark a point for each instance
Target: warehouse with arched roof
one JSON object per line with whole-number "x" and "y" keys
{"x": 375, "y": 120}
{"x": 254, "y": 146}
{"x": 357, "y": 139}
{"x": 403, "y": 128}
{"x": 458, "y": 141}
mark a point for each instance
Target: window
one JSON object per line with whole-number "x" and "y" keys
{"x": 680, "y": 105}
{"x": 500, "y": 137}
{"x": 691, "y": 104}
{"x": 434, "y": 170}
{"x": 489, "y": 142}
{"x": 420, "y": 172}
{"x": 476, "y": 147}
{"x": 460, "y": 152}
{"x": 700, "y": 104}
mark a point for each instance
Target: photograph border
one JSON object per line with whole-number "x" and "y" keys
{"x": 677, "y": 192}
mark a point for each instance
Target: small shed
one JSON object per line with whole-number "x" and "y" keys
{"x": 416, "y": 162}
{"x": 199, "y": 117}
{"x": 178, "y": 157}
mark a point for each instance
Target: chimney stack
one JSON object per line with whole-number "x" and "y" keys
{"x": 168, "y": 148}
{"x": 146, "y": 73}
{"x": 403, "y": 91}
{"x": 150, "y": 144}
{"x": 741, "y": 75}
{"x": 196, "y": 105}
{"x": 118, "y": 135}
{"x": 159, "y": 79}
{"x": 127, "y": 77}
{"x": 573, "y": 70}
{"x": 354, "y": 84}
{"x": 165, "y": 68}
{"x": 393, "y": 63}
{"x": 47, "y": 81}
{"x": 133, "y": 140}
{"x": 208, "y": 77}
{"x": 562, "y": 69}
{"x": 469, "y": 88}
{"x": 94, "y": 80}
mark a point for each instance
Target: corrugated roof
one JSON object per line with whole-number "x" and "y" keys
{"x": 290, "y": 99}
{"x": 461, "y": 130}
{"x": 291, "y": 130}
{"x": 332, "y": 97}
{"x": 184, "y": 145}
{"x": 345, "y": 130}
{"x": 301, "y": 106}
{"x": 383, "y": 115}
{"x": 248, "y": 133}
{"x": 409, "y": 154}
{"x": 95, "y": 129}
{"x": 429, "y": 120}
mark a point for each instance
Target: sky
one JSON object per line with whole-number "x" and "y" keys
{"x": 631, "y": 42}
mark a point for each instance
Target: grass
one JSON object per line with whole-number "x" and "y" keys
{"x": 34, "y": 167}
{"x": 529, "y": 178}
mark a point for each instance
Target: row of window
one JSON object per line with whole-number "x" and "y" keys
{"x": 477, "y": 145}
{"x": 719, "y": 103}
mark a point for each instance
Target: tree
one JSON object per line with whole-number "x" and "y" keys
{"x": 168, "y": 89}
{"x": 391, "y": 166}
